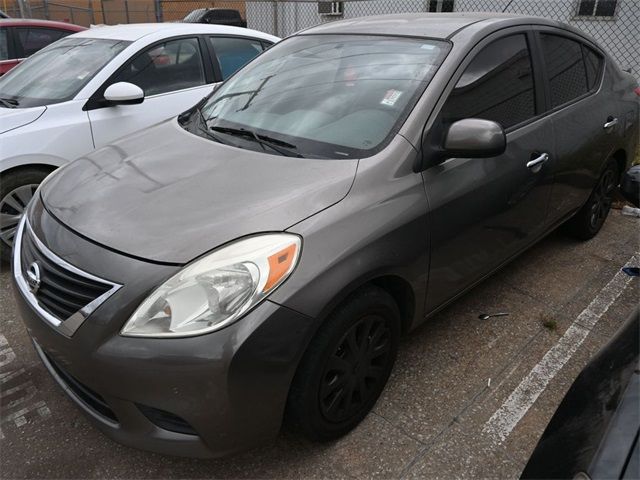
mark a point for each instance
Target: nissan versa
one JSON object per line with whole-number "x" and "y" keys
{"x": 257, "y": 258}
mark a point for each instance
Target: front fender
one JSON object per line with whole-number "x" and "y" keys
{"x": 379, "y": 230}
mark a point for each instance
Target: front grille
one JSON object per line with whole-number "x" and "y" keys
{"x": 166, "y": 420}
{"x": 90, "y": 398}
{"x": 63, "y": 290}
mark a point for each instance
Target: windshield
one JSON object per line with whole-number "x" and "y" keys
{"x": 58, "y": 72}
{"x": 325, "y": 96}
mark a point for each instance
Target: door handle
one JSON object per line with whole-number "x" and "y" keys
{"x": 610, "y": 123}
{"x": 542, "y": 158}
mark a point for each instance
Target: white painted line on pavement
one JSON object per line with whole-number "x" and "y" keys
{"x": 505, "y": 419}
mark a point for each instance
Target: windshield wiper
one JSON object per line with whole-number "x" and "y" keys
{"x": 8, "y": 102}
{"x": 201, "y": 123}
{"x": 280, "y": 146}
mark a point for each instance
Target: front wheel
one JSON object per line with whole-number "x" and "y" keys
{"x": 346, "y": 366}
{"x": 589, "y": 220}
{"x": 16, "y": 191}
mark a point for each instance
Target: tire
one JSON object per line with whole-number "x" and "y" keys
{"x": 346, "y": 366}
{"x": 16, "y": 189}
{"x": 585, "y": 224}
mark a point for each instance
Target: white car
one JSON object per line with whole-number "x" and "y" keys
{"x": 90, "y": 88}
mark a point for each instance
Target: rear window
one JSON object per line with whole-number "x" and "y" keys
{"x": 195, "y": 15}
{"x": 32, "y": 39}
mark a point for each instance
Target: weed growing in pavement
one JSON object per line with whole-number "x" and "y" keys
{"x": 549, "y": 322}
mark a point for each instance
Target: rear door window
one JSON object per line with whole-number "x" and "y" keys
{"x": 497, "y": 85}
{"x": 234, "y": 53}
{"x": 566, "y": 70}
{"x": 30, "y": 40}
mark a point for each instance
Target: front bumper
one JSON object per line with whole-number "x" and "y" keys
{"x": 203, "y": 396}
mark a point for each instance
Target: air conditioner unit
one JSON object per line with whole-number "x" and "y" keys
{"x": 331, "y": 8}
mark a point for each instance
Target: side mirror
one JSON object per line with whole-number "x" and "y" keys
{"x": 630, "y": 185}
{"x": 474, "y": 138}
{"x": 123, "y": 93}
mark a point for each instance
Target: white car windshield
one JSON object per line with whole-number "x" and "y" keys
{"x": 324, "y": 96}
{"x": 58, "y": 72}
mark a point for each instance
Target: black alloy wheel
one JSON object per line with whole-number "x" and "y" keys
{"x": 588, "y": 221}
{"x": 355, "y": 368}
{"x": 603, "y": 198}
{"x": 346, "y": 366}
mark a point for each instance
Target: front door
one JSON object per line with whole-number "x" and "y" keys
{"x": 485, "y": 210}
{"x": 172, "y": 76}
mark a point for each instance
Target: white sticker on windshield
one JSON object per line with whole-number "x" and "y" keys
{"x": 427, "y": 46}
{"x": 391, "y": 97}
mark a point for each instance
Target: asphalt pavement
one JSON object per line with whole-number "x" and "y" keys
{"x": 468, "y": 397}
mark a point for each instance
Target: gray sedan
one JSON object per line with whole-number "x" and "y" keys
{"x": 257, "y": 258}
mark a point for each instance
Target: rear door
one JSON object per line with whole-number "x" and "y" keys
{"x": 174, "y": 76}
{"x": 585, "y": 120}
{"x": 485, "y": 210}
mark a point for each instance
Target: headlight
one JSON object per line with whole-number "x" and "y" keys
{"x": 214, "y": 291}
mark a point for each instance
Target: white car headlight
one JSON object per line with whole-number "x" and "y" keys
{"x": 217, "y": 289}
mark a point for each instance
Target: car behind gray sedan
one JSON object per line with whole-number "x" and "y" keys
{"x": 258, "y": 257}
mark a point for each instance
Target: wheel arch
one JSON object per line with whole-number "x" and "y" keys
{"x": 29, "y": 166}
{"x": 50, "y": 162}
{"x": 621, "y": 159}
{"x": 402, "y": 293}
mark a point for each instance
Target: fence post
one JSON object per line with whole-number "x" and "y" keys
{"x": 126, "y": 10}
{"x": 90, "y": 8}
{"x": 275, "y": 18}
{"x": 45, "y": 5}
{"x": 25, "y": 9}
{"x": 158, "y": 4}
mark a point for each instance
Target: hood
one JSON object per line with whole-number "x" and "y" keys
{"x": 166, "y": 195}
{"x": 12, "y": 118}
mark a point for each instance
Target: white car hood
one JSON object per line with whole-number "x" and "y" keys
{"x": 12, "y": 118}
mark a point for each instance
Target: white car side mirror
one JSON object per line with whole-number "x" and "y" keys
{"x": 123, "y": 93}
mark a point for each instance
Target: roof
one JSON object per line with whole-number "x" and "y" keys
{"x": 136, "y": 31}
{"x": 433, "y": 25}
{"x": 28, "y": 22}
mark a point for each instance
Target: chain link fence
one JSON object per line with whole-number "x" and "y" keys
{"x": 615, "y": 24}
